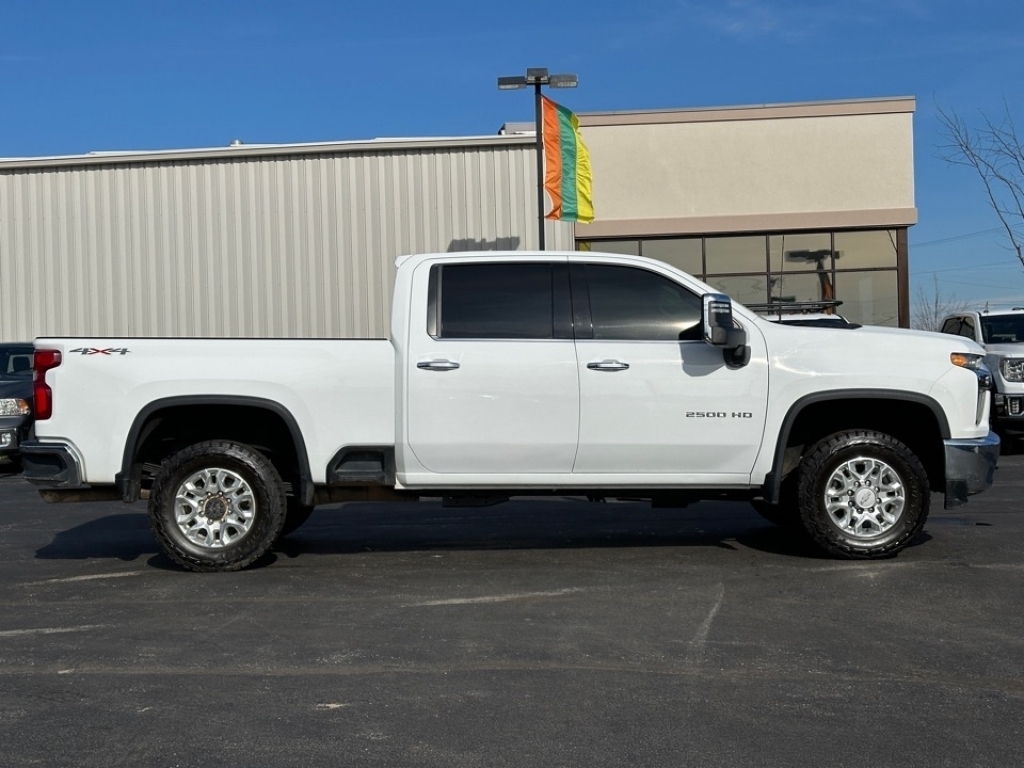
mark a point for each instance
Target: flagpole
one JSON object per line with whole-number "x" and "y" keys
{"x": 540, "y": 165}
{"x": 537, "y": 77}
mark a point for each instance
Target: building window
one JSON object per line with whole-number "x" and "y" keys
{"x": 869, "y": 298}
{"x": 800, "y": 287}
{"x": 875, "y": 249}
{"x": 735, "y": 254}
{"x": 800, "y": 252}
{"x": 624, "y": 247}
{"x": 859, "y": 268}
{"x": 685, "y": 253}
{"x": 746, "y": 289}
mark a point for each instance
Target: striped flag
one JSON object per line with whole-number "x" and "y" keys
{"x": 567, "y": 178}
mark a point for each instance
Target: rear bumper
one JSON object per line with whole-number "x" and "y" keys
{"x": 970, "y": 467}
{"x": 54, "y": 465}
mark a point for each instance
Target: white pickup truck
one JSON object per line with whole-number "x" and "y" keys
{"x": 520, "y": 374}
{"x": 1001, "y": 333}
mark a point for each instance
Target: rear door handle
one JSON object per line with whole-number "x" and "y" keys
{"x": 608, "y": 365}
{"x": 437, "y": 365}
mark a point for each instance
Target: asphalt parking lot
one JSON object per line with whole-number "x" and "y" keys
{"x": 535, "y": 633}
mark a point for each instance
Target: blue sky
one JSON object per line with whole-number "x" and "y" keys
{"x": 80, "y": 76}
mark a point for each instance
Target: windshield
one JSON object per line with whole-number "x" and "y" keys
{"x": 15, "y": 362}
{"x": 1005, "y": 329}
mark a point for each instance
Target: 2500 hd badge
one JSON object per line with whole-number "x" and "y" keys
{"x": 719, "y": 415}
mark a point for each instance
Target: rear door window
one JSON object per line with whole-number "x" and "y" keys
{"x": 500, "y": 301}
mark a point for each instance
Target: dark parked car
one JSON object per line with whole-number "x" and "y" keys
{"x": 15, "y": 398}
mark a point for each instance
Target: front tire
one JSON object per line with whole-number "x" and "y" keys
{"x": 862, "y": 494}
{"x": 217, "y": 506}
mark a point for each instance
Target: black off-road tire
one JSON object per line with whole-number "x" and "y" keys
{"x": 241, "y": 484}
{"x": 896, "y": 472}
{"x": 295, "y": 516}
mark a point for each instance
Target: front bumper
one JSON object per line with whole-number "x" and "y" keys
{"x": 55, "y": 465}
{"x": 8, "y": 441}
{"x": 970, "y": 467}
{"x": 1008, "y": 412}
{"x": 13, "y": 430}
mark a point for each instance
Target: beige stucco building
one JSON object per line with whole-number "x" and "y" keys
{"x": 778, "y": 203}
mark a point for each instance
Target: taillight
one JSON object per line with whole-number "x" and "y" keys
{"x": 42, "y": 395}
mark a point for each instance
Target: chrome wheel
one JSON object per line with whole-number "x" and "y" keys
{"x": 864, "y": 497}
{"x": 214, "y": 507}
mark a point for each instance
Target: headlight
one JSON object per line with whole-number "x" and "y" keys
{"x": 1012, "y": 368}
{"x": 11, "y": 406}
{"x": 967, "y": 360}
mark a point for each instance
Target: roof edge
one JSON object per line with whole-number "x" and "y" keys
{"x": 873, "y": 106}
{"x": 245, "y": 151}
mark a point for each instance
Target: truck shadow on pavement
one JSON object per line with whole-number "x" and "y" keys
{"x": 112, "y": 537}
{"x": 361, "y": 528}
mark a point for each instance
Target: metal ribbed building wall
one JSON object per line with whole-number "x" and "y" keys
{"x": 266, "y": 245}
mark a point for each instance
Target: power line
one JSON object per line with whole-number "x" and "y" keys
{"x": 983, "y": 285}
{"x": 960, "y": 269}
{"x": 955, "y": 238}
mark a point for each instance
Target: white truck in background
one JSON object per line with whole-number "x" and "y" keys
{"x": 1001, "y": 333}
{"x": 516, "y": 373}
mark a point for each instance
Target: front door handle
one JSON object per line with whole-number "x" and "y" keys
{"x": 608, "y": 365}
{"x": 437, "y": 365}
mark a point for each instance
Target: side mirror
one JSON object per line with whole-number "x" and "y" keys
{"x": 717, "y": 317}
{"x": 721, "y": 331}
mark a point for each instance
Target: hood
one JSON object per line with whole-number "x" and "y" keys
{"x": 1009, "y": 350}
{"x": 880, "y": 333}
{"x": 838, "y": 350}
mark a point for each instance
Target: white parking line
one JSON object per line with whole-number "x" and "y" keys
{"x": 91, "y": 577}
{"x": 495, "y": 598}
{"x": 700, "y": 638}
{"x": 50, "y": 630}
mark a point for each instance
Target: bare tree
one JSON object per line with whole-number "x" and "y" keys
{"x": 930, "y": 309}
{"x": 995, "y": 151}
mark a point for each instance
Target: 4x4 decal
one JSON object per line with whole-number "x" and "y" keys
{"x": 95, "y": 351}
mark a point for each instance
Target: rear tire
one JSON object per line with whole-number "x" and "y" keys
{"x": 217, "y": 506}
{"x": 862, "y": 494}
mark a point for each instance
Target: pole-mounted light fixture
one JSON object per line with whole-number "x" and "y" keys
{"x": 538, "y": 77}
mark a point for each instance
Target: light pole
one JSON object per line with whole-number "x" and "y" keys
{"x": 538, "y": 77}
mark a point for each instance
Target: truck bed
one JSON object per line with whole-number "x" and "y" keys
{"x": 120, "y": 378}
